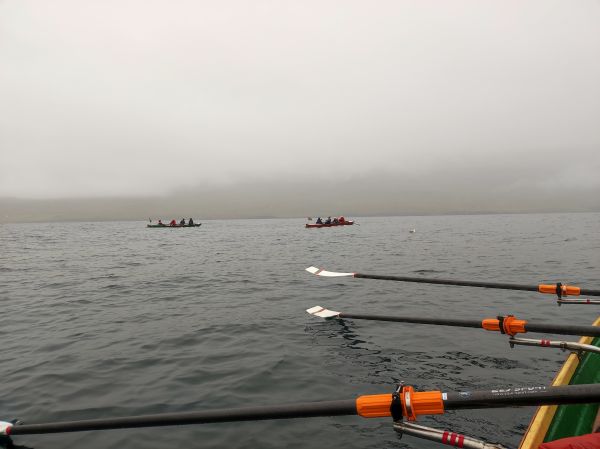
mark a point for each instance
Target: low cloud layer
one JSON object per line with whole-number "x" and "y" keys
{"x": 410, "y": 106}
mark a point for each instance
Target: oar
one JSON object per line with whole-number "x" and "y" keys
{"x": 403, "y": 403}
{"x": 504, "y": 324}
{"x": 558, "y": 289}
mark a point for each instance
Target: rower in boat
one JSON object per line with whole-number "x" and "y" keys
{"x": 175, "y": 224}
{"x": 319, "y": 221}
{"x": 328, "y": 221}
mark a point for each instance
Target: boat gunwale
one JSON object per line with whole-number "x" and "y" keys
{"x": 544, "y": 415}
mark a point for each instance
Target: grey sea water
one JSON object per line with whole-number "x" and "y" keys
{"x": 114, "y": 319}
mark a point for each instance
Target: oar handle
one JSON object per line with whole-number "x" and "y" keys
{"x": 589, "y": 292}
{"x": 564, "y": 329}
{"x": 524, "y": 396}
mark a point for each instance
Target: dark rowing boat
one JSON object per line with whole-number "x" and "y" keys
{"x": 329, "y": 225}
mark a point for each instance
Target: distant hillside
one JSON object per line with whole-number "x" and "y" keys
{"x": 357, "y": 197}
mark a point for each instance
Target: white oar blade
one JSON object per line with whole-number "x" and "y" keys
{"x": 322, "y": 312}
{"x": 330, "y": 274}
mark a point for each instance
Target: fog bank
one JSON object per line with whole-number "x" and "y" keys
{"x": 377, "y": 194}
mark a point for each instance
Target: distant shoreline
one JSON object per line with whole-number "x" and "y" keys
{"x": 303, "y": 219}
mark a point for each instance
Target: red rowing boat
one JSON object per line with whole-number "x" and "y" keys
{"x": 330, "y": 225}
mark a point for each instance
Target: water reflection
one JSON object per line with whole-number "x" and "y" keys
{"x": 371, "y": 364}
{"x": 335, "y": 328}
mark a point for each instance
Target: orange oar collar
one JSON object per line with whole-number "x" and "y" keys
{"x": 413, "y": 404}
{"x": 506, "y": 324}
{"x": 559, "y": 290}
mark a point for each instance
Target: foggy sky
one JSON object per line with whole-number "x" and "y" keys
{"x": 473, "y": 100}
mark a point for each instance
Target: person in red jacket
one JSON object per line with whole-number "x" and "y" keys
{"x": 173, "y": 223}
{"x": 587, "y": 441}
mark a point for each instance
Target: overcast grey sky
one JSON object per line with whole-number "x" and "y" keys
{"x": 147, "y": 97}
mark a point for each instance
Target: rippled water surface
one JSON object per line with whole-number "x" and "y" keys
{"x": 114, "y": 319}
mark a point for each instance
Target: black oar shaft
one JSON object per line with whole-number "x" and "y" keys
{"x": 380, "y": 404}
{"x": 570, "y": 394}
{"x": 494, "y": 285}
{"x": 300, "y": 410}
{"x": 415, "y": 320}
{"x": 498, "y": 285}
{"x": 560, "y": 329}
